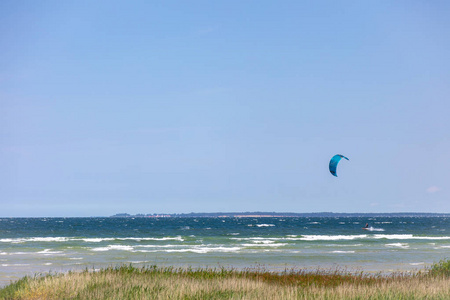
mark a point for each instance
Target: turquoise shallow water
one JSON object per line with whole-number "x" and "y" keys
{"x": 34, "y": 245}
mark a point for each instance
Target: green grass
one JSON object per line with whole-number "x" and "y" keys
{"x": 152, "y": 282}
{"x": 441, "y": 268}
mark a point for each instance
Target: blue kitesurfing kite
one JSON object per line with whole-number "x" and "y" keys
{"x": 334, "y": 162}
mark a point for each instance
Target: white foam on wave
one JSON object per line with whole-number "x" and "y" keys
{"x": 342, "y": 252}
{"x": 265, "y": 225}
{"x": 19, "y": 253}
{"x": 137, "y": 239}
{"x": 89, "y": 240}
{"x": 341, "y": 237}
{"x": 159, "y": 246}
{"x": 263, "y": 241}
{"x": 398, "y": 245}
{"x": 146, "y": 251}
{"x": 265, "y": 245}
{"x": 96, "y": 240}
{"x": 34, "y": 239}
{"x": 329, "y": 237}
{"x": 374, "y": 229}
{"x": 203, "y": 250}
{"x": 364, "y": 236}
{"x": 343, "y": 245}
{"x": 113, "y": 247}
{"x": 48, "y": 239}
{"x": 176, "y": 238}
{"x": 49, "y": 252}
{"x": 257, "y": 239}
{"x": 409, "y": 237}
{"x": 194, "y": 249}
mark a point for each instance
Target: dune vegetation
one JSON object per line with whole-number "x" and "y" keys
{"x": 152, "y": 282}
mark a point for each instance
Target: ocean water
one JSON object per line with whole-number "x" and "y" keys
{"x": 40, "y": 245}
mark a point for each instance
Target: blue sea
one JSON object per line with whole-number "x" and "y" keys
{"x": 41, "y": 245}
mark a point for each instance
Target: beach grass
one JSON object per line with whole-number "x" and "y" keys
{"x": 152, "y": 282}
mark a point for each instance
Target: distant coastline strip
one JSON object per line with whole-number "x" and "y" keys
{"x": 278, "y": 215}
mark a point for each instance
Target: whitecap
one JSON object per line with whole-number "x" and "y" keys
{"x": 89, "y": 240}
{"x": 329, "y": 237}
{"x": 159, "y": 246}
{"x": 96, "y": 240}
{"x": 263, "y": 241}
{"x": 265, "y": 225}
{"x": 374, "y": 229}
{"x": 113, "y": 247}
{"x": 49, "y": 251}
{"x": 34, "y": 239}
{"x": 409, "y": 237}
{"x": 344, "y": 245}
{"x": 202, "y": 250}
{"x": 398, "y": 245}
{"x": 343, "y": 252}
{"x": 137, "y": 239}
{"x": 167, "y": 238}
{"x": 265, "y": 245}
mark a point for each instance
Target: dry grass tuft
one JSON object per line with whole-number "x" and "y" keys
{"x": 127, "y": 282}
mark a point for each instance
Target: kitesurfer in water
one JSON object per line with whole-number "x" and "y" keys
{"x": 367, "y": 226}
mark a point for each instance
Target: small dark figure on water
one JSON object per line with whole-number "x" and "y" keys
{"x": 367, "y": 225}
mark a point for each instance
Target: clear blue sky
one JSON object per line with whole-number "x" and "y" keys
{"x": 204, "y": 106}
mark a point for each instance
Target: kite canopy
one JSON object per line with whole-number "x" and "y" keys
{"x": 334, "y": 162}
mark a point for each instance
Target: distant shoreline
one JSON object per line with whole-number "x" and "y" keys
{"x": 255, "y": 215}
{"x": 277, "y": 215}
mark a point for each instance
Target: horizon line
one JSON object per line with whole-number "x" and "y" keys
{"x": 242, "y": 213}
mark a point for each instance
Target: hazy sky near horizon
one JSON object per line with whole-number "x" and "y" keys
{"x": 204, "y": 106}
